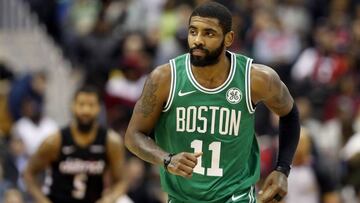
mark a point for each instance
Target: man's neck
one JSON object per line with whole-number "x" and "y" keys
{"x": 213, "y": 75}
{"x": 83, "y": 138}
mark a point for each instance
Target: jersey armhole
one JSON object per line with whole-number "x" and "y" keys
{"x": 172, "y": 86}
{"x": 249, "y": 103}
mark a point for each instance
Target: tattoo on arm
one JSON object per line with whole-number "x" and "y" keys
{"x": 149, "y": 151}
{"x": 148, "y": 99}
{"x": 271, "y": 84}
{"x": 281, "y": 98}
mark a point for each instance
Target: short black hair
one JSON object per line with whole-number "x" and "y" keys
{"x": 89, "y": 89}
{"x": 214, "y": 10}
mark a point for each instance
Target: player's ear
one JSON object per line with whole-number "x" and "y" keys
{"x": 229, "y": 38}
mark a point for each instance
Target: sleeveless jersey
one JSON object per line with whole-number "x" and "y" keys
{"x": 77, "y": 176}
{"x": 220, "y": 123}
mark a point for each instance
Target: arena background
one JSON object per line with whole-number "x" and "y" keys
{"x": 49, "y": 48}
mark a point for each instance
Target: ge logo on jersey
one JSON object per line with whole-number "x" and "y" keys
{"x": 233, "y": 95}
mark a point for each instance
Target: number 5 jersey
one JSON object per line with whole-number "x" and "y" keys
{"x": 77, "y": 175}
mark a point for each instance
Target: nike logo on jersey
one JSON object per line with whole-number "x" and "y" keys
{"x": 234, "y": 198}
{"x": 181, "y": 94}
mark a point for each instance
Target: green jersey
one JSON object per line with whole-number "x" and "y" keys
{"x": 218, "y": 122}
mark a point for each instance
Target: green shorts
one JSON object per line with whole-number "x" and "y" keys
{"x": 246, "y": 196}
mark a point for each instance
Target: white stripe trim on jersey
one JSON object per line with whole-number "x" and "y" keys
{"x": 208, "y": 90}
{"x": 251, "y": 196}
{"x": 172, "y": 86}
{"x": 251, "y": 109}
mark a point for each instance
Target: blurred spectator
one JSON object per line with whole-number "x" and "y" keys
{"x": 302, "y": 183}
{"x": 31, "y": 86}
{"x": 34, "y": 126}
{"x": 351, "y": 156}
{"x": 4, "y": 184}
{"x": 96, "y": 52}
{"x": 321, "y": 64}
{"x": 339, "y": 18}
{"x": 273, "y": 44}
{"x": 268, "y": 147}
{"x": 76, "y": 19}
{"x": 136, "y": 169}
{"x": 294, "y": 16}
{"x": 82, "y": 16}
{"x": 139, "y": 189}
{"x": 332, "y": 137}
{"x": 143, "y": 14}
{"x": 123, "y": 90}
{"x": 14, "y": 162}
{"x": 125, "y": 83}
{"x": 307, "y": 118}
{"x": 347, "y": 93}
{"x": 173, "y": 39}
{"x": 8, "y": 167}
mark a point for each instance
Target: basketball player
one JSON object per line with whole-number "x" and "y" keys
{"x": 78, "y": 157}
{"x": 201, "y": 106}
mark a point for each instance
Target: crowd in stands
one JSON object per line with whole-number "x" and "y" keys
{"x": 314, "y": 46}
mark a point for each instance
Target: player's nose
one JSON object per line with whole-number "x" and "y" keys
{"x": 199, "y": 40}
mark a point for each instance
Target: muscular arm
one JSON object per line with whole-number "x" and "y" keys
{"x": 146, "y": 113}
{"x": 267, "y": 87}
{"x": 115, "y": 155}
{"x": 46, "y": 153}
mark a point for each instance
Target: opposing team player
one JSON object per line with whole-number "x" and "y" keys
{"x": 78, "y": 157}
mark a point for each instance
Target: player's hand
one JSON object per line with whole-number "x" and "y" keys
{"x": 182, "y": 164}
{"x": 274, "y": 188}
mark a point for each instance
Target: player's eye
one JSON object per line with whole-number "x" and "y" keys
{"x": 192, "y": 32}
{"x": 210, "y": 34}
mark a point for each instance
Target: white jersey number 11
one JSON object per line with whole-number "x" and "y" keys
{"x": 215, "y": 148}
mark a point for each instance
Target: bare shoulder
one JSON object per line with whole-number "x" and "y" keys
{"x": 53, "y": 141}
{"x": 50, "y": 147}
{"x": 160, "y": 77}
{"x": 162, "y": 72}
{"x": 267, "y": 87}
{"x": 156, "y": 91}
{"x": 262, "y": 74}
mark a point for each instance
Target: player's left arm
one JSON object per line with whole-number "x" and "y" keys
{"x": 115, "y": 152}
{"x": 267, "y": 87}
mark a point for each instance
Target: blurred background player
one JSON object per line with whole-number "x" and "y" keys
{"x": 78, "y": 157}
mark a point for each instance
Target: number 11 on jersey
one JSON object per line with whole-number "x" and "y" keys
{"x": 215, "y": 148}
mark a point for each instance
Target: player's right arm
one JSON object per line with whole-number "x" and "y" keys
{"x": 145, "y": 115}
{"x": 42, "y": 158}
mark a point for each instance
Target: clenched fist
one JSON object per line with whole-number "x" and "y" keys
{"x": 182, "y": 164}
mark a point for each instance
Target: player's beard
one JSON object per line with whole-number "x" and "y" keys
{"x": 84, "y": 127}
{"x": 210, "y": 58}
